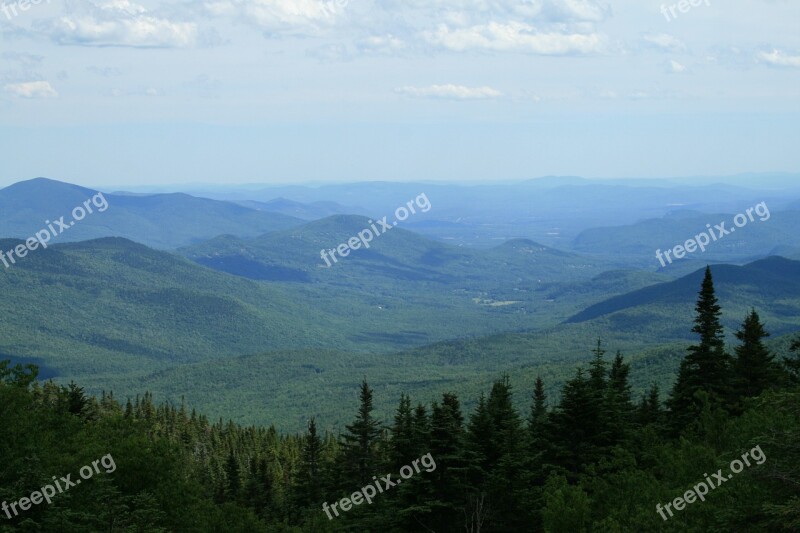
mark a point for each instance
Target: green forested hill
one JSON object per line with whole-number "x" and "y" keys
{"x": 110, "y": 308}
{"x": 592, "y": 458}
{"x": 122, "y": 316}
{"x": 772, "y": 283}
{"x": 396, "y": 256}
{"x": 160, "y": 220}
{"x": 638, "y": 242}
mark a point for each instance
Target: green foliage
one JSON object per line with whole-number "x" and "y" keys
{"x": 706, "y": 367}
{"x": 592, "y": 463}
{"x": 754, "y": 367}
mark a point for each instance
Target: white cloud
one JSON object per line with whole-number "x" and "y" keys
{"x": 515, "y": 36}
{"x": 665, "y": 42}
{"x": 120, "y": 23}
{"x": 461, "y": 12}
{"x": 382, "y": 43}
{"x": 676, "y": 67}
{"x": 282, "y": 16}
{"x": 587, "y": 10}
{"x": 456, "y": 92}
{"x": 779, "y": 59}
{"x": 124, "y": 6}
{"x": 561, "y": 26}
{"x": 32, "y": 89}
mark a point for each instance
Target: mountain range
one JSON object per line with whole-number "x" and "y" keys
{"x": 232, "y": 306}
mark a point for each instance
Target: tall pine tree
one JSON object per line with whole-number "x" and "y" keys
{"x": 754, "y": 366}
{"x": 538, "y": 416}
{"x": 706, "y": 367}
{"x": 361, "y": 442}
{"x": 309, "y": 483}
{"x": 619, "y": 408}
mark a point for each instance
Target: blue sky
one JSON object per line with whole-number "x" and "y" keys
{"x": 286, "y": 91}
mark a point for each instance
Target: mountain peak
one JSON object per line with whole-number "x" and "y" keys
{"x": 39, "y": 185}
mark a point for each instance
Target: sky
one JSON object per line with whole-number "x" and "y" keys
{"x": 119, "y": 92}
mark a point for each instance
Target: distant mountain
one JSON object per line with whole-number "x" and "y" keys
{"x": 751, "y": 180}
{"x": 550, "y": 210}
{"x": 161, "y": 220}
{"x": 136, "y": 308}
{"x": 772, "y": 284}
{"x": 397, "y": 254}
{"x": 640, "y": 241}
{"x": 114, "y": 305}
{"x": 312, "y": 211}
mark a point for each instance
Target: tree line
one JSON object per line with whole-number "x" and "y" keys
{"x": 596, "y": 459}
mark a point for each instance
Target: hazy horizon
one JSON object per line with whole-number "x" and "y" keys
{"x": 783, "y": 177}
{"x": 331, "y": 91}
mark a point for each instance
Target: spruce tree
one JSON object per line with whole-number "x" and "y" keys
{"x": 599, "y": 386}
{"x": 479, "y": 443}
{"x": 506, "y": 461}
{"x": 538, "y": 416}
{"x": 754, "y": 366}
{"x": 597, "y": 370}
{"x": 309, "y": 486}
{"x": 360, "y": 441}
{"x": 706, "y": 367}
{"x": 232, "y": 475}
{"x": 537, "y": 444}
{"x": 445, "y": 486}
{"x": 421, "y": 431}
{"x": 792, "y": 365}
{"x": 403, "y": 449}
{"x": 650, "y": 411}
{"x": 619, "y": 408}
{"x": 576, "y": 426}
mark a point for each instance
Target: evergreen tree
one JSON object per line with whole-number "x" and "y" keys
{"x": 538, "y": 416}
{"x": 597, "y": 371}
{"x": 77, "y": 402}
{"x": 599, "y": 386}
{"x": 439, "y": 495}
{"x": 792, "y": 365}
{"x": 233, "y": 477}
{"x": 754, "y": 366}
{"x": 480, "y": 439}
{"x": 257, "y": 492}
{"x": 479, "y": 443}
{"x": 421, "y": 431}
{"x": 650, "y": 410}
{"x": 361, "y": 440}
{"x": 309, "y": 486}
{"x": 619, "y": 408}
{"x": 506, "y": 461}
{"x": 404, "y": 449}
{"x": 576, "y": 426}
{"x": 706, "y": 366}
{"x": 537, "y": 444}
